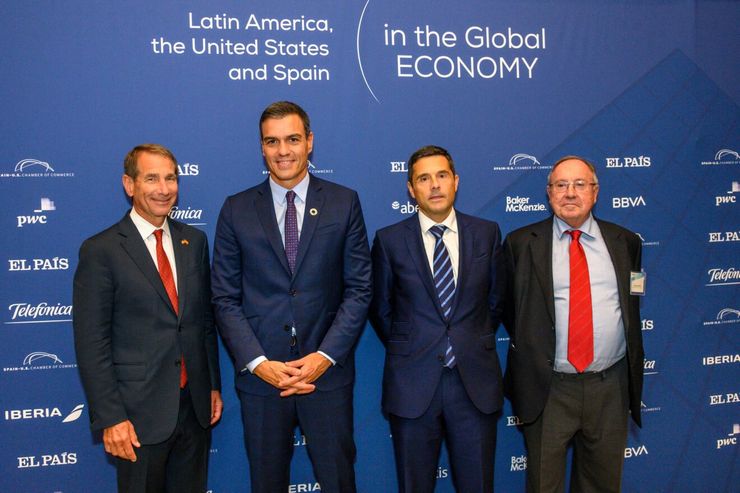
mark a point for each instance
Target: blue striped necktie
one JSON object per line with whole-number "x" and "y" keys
{"x": 444, "y": 283}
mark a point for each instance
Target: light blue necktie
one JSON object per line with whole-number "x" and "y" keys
{"x": 444, "y": 283}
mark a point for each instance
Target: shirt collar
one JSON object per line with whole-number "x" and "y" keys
{"x": 278, "y": 192}
{"x": 144, "y": 227}
{"x": 587, "y": 228}
{"x": 450, "y": 222}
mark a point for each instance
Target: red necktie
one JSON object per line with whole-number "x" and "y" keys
{"x": 580, "y": 317}
{"x": 165, "y": 272}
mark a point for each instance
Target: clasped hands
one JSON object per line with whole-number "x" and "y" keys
{"x": 293, "y": 377}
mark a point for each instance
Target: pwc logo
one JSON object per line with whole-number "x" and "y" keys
{"x": 39, "y": 215}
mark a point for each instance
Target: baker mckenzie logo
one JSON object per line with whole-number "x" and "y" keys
{"x": 521, "y": 204}
{"x": 725, "y": 316}
{"x": 723, "y": 236}
{"x": 518, "y": 463}
{"x": 187, "y": 215}
{"x": 731, "y": 438}
{"x": 40, "y": 360}
{"x": 399, "y": 167}
{"x": 521, "y": 162}
{"x": 39, "y": 215}
{"x": 729, "y": 197}
{"x": 34, "y": 168}
{"x": 723, "y": 277}
{"x": 407, "y": 208}
{"x": 720, "y": 359}
{"x": 44, "y": 413}
{"x": 628, "y": 162}
{"x": 39, "y": 313}
{"x": 723, "y": 156}
{"x": 32, "y": 264}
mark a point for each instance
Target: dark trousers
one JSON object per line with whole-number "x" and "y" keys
{"x": 470, "y": 436}
{"x": 589, "y": 410}
{"x": 179, "y": 464}
{"x": 326, "y": 420}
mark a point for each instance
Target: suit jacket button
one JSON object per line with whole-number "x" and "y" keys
{"x": 177, "y": 362}
{"x": 292, "y": 292}
{"x": 440, "y": 357}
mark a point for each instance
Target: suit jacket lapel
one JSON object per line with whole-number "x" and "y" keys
{"x": 183, "y": 257}
{"x": 311, "y": 215}
{"x": 541, "y": 252}
{"x": 617, "y": 247}
{"x": 134, "y": 246}
{"x": 465, "y": 236}
{"x": 418, "y": 255}
{"x": 266, "y": 214}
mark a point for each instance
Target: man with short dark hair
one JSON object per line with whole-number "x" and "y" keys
{"x": 291, "y": 287}
{"x": 437, "y": 300}
{"x": 575, "y": 360}
{"x": 144, "y": 335}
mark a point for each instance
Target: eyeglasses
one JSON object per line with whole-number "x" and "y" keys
{"x": 578, "y": 185}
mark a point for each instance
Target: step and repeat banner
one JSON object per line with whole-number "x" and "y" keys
{"x": 649, "y": 91}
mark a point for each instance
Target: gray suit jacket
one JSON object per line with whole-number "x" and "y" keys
{"x": 129, "y": 339}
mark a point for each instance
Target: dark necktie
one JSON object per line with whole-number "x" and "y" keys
{"x": 580, "y": 314}
{"x": 444, "y": 282}
{"x": 291, "y": 230}
{"x": 165, "y": 273}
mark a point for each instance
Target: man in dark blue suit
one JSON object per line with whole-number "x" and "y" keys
{"x": 291, "y": 288}
{"x": 437, "y": 291}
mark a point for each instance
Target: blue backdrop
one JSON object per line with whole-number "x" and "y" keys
{"x": 648, "y": 90}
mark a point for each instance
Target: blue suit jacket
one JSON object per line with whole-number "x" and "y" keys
{"x": 407, "y": 315}
{"x": 257, "y": 299}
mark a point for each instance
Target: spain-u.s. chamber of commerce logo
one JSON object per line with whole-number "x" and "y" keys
{"x": 723, "y": 156}
{"x": 725, "y": 316}
{"x": 34, "y": 168}
{"x": 521, "y": 162}
{"x": 40, "y": 360}
{"x": 312, "y": 168}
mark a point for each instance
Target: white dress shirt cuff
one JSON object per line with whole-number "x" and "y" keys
{"x": 254, "y": 363}
{"x": 322, "y": 353}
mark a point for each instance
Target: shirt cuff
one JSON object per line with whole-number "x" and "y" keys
{"x": 253, "y": 364}
{"x": 322, "y": 353}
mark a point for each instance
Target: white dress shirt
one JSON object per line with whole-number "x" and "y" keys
{"x": 146, "y": 230}
{"x": 450, "y": 238}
